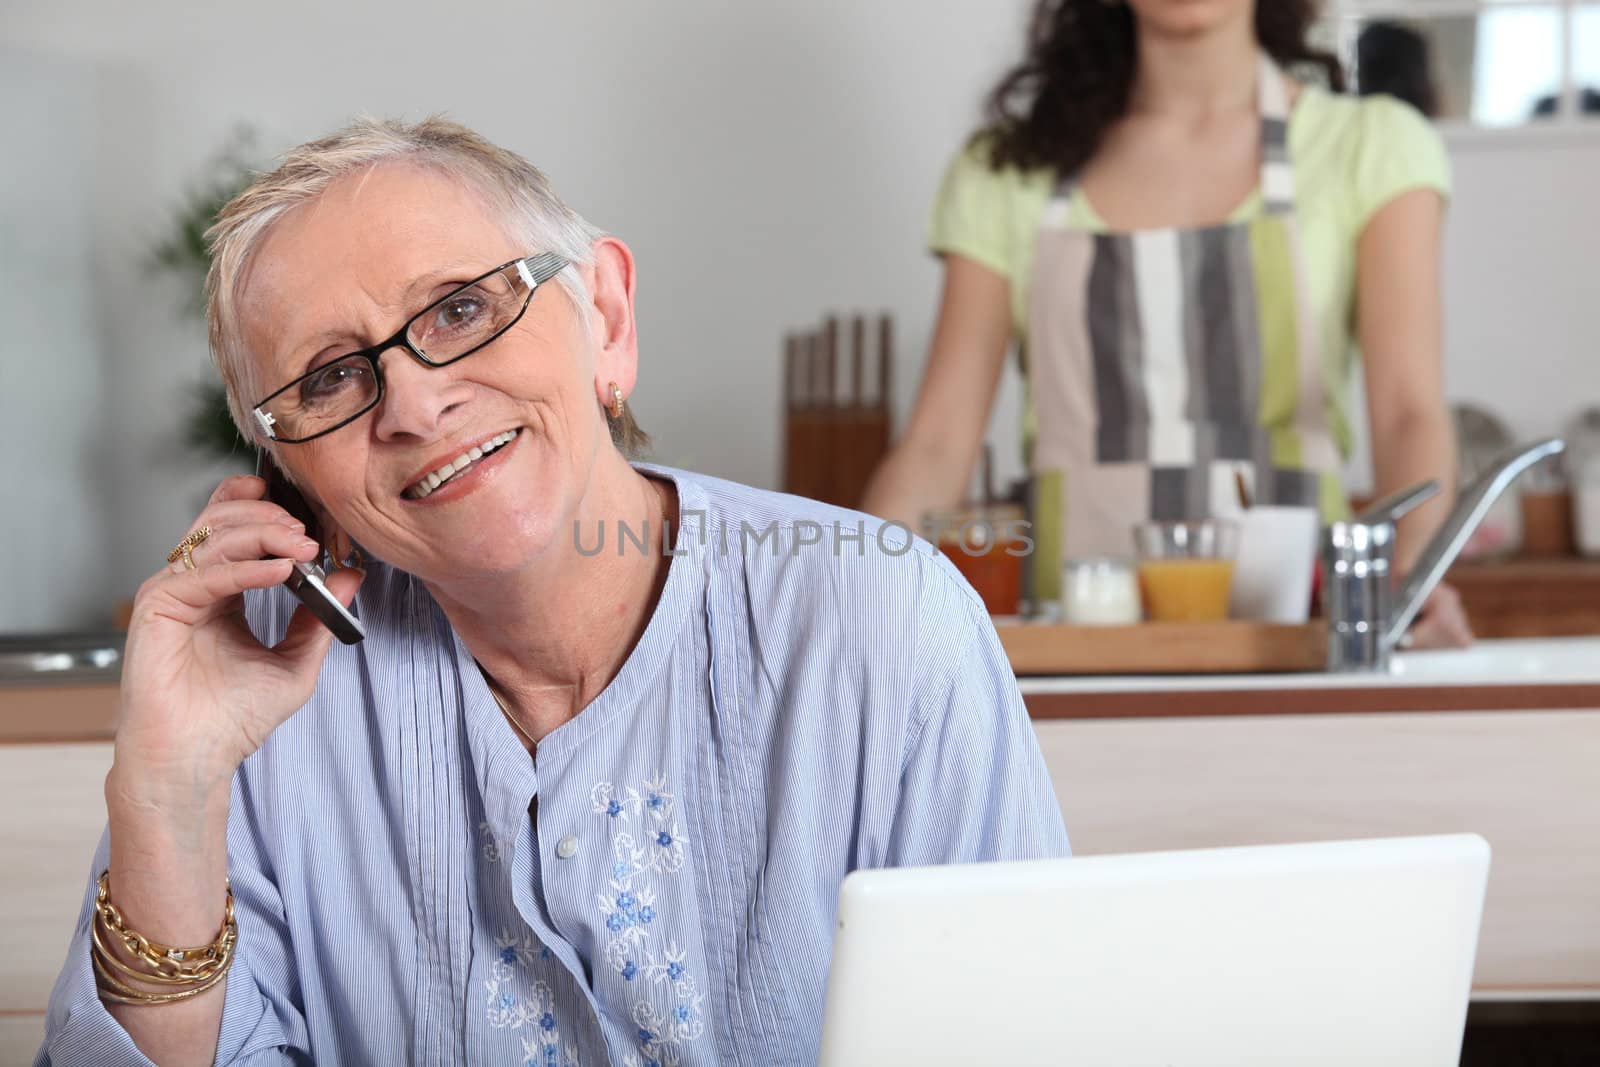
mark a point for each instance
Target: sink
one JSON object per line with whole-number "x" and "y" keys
{"x": 1546, "y": 660}
{"x": 27, "y": 659}
{"x": 1523, "y": 662}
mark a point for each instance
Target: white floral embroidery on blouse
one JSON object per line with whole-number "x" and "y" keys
{"x": 667, "y": 1012}
{"x": 514, "y": 1003}
{"x": 646, "y": 844}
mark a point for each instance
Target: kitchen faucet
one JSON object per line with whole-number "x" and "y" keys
{"x": 1367, "y": 616}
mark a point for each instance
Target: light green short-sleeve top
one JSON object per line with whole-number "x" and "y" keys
{"x": 1351, "y": 156}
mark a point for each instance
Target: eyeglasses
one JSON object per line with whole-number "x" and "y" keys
{"x": 340, "y": 391}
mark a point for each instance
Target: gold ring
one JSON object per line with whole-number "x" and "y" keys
{"x": 186, "y": 545}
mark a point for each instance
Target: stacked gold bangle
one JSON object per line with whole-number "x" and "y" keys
{"x": 189, "y": 971}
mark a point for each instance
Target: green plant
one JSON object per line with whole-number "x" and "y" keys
{"x": 184, "y": 252}
{"x": 210, "y": 428}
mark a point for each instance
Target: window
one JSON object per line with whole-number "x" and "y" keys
{"x": 1486, "y": 63}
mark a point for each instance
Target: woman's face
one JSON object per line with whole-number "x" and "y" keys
{"x": 1191, "y": 18}
{"x": 347, "y": 270}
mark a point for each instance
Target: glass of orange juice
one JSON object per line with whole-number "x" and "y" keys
{"x": 1186, "y": 568}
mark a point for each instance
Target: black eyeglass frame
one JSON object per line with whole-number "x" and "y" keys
{"x": 534, "y": 272}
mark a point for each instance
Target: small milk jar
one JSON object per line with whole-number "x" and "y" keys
{"x": 1100, "y": 591}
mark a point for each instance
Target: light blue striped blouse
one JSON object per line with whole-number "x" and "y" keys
{"x": 802, "y": 703}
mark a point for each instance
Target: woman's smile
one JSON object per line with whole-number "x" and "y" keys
{"x": 461, "y": 469}
{"x": 456, "y": 476}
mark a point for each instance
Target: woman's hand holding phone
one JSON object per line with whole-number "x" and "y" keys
{"x": 199, "y": 691}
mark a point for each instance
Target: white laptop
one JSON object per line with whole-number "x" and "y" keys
{"x": 1342, "y": 953}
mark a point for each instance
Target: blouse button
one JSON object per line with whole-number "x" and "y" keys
{"x": 567, "y": 847}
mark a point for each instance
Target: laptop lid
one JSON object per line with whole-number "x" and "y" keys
{"x": 1334, "y": 953}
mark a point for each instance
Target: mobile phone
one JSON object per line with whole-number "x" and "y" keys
{"x": 306, "y": 580}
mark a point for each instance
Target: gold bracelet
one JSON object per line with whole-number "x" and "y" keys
{"x": 194, "y": 969}
{"x": 119, "y": 992}
{"x": 109, "y": 957}
{"x": 165, "y": 961}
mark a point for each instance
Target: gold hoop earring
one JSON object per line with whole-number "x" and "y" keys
{"x": 339, "y": 549}
{"x": 616, "y": 401}
{"x": 359, "y": 563}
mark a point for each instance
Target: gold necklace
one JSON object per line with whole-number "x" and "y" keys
{"x": 515, "y": 725}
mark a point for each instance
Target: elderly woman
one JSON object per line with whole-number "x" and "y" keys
{"x": 570, "y": 801}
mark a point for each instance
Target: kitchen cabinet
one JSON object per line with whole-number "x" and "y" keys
{"x": 1502, "y": 740}
{"x": 52, "y": 812}
{"x": 1528, "y": 781}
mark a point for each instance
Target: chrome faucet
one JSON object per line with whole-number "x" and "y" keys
{"x": 1367, "y": 616}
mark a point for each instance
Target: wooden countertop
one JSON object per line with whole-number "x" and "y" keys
{"x": 59, "y": 713}
{"x": 1512, "y": 598}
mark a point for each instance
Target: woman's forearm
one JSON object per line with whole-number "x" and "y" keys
{"x": 930, "y": 465}
{"x": 913, "y": 480}
{"x": 1414, "y": 449}
{"x": 169, "y": 869}
{"x": 1399, "y": 320}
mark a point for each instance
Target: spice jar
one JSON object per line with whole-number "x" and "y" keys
{"x": 987, "y": 545}
{"x": 1547, "y": 511}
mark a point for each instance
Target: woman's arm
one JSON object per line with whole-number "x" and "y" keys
{"x": 1398, "y": 318}
{"x": 930, "y": 465}
{"x": 199, "y": 694}
{"x": 1399, "y": 326}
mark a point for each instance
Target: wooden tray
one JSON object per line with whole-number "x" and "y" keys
{"x": 1165, "y": 648}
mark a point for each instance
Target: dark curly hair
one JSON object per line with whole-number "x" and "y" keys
{"x": 1053, "y": 108}
{"x": 1393, "y": 58}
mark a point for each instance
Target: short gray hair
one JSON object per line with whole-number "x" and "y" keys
{"x": 511, "y": 187}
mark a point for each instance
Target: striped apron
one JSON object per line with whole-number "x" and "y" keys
{"x": 1162, "y": 362}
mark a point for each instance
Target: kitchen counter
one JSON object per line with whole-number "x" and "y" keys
{"x": 59, "y": 687}
{"x": 1512, "y": 675}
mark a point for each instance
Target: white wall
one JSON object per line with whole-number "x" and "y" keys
{"x": 53, "y": 522}
{"x": 766, "y": 161}
{"x": 1522, "y": 293}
